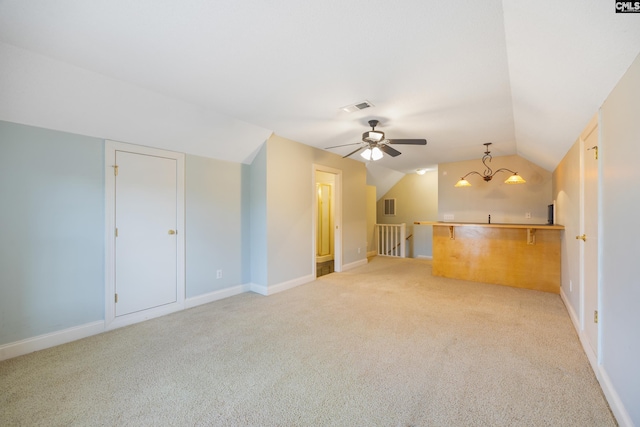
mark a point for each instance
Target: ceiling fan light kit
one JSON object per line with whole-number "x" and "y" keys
{"x": 372, "y": 154}
{"x": 375, "y": 144}
{"x": 489, "y": 173}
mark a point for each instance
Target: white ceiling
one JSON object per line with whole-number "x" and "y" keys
{"x": 525, "y": 75}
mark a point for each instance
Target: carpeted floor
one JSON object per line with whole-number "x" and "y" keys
{"x": 385, "y": 344}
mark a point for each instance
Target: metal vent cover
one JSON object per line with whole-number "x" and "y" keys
{"x": 357, "y": 106}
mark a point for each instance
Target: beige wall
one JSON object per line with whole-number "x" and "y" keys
{"x": 371, "y": 220}
{"x": 290, "y": 195}
{"x": 505, "y": 203}
{"x": 566, "y": 193}
{"x": 416, "y": 200}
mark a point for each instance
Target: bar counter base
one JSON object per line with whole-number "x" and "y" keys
{"x": 519, "y": 255}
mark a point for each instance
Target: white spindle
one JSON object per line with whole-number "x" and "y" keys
{"x": 391, "y": 240}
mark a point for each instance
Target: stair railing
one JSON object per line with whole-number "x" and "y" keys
{"x": 390, "y": 240}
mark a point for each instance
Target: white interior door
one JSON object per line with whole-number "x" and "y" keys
{"x": 146, "y": 239}
{"x": 590, "y": 230}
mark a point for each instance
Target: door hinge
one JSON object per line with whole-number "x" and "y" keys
{"x": 115, "y": 170}
{"x": 116, "y": 231}
{"x": 116, "y": 299}
{"x": 595, "y": 316}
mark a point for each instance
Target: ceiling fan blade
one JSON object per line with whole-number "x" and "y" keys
{"x": 390, "y": 151}
{"x": 343, "y": 145}
{"x": 408, "y": 141}
{"x": 353, "y": 152}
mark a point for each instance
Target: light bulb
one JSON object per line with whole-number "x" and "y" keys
{"x": 366, "y": 154}
{"x": 376, "y": 154}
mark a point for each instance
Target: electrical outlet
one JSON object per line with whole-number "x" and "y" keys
{"x": 358, "y": 250}
{"x": 219, "y": 274}
{"x": 570, "y": 286}
{"x": 527, "y": 215}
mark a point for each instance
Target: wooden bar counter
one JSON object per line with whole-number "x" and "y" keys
{"x": 519, "y": 255}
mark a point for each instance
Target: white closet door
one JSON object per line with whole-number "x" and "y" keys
{"x": 146, "y": 223}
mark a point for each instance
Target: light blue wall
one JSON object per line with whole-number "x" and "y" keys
{"x": 214, "y": 224}
{"x": 52, "y": 222}
{"x": 52, "y": 228}
{"x": 258, "y": 218}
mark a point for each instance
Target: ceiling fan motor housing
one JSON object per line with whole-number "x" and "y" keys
{"x": 373, "y": 136}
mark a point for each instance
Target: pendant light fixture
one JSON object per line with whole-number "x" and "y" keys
{"x": 489, "y": 173}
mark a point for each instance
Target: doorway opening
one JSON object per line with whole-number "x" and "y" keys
{"x": 326, "y": 233}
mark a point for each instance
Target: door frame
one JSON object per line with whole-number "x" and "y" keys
{"x": 337, "y": 230}
{"x": 111, "y": 322}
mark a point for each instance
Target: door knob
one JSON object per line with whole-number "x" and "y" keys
{"x": 172, "y": 232}
{"x": 583, "y": 237}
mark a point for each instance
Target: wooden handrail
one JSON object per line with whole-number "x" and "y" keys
{"x": 396, "y": 246}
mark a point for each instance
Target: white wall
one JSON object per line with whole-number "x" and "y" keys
{"x": 620, "y": 244}
{"x": 39, "y": 91}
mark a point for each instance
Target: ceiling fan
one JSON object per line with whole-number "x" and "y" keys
{"x": 374, "y": 144}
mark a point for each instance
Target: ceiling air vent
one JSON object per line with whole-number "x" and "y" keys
{"x": 356, "y": 107}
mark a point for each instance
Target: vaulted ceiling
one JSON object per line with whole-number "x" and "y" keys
{"x": 524, "y": 75}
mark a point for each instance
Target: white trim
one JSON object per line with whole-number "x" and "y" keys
{"x": 216, "y": 295}
{"x": 613, "y": 399}
{"x": 372, "y": 253}
{"x": 355, "y": 264}
{"x": 424, "y": 257}
{"x": 280, "y": 287}
{"x": 141, "y": 316}
{"x": 52, "y": 339}
{"x": 615, "y": 403}
{"x": 41, "y": 342}
{"x": 258, "y": 289}
{"x": 586, "y": 347}
{"x": 111, "y": 321}
{"x": 572, "y": 314}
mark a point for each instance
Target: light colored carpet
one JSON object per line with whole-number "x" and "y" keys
{"x": 385, "y": 344}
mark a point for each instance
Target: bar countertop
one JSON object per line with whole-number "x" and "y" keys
{"x": 497, "y": 225}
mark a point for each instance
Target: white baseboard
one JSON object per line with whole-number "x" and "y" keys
{"x": 41, "y": 342}
{"x": 617, "y": 407}
{"x": 258, "y": 289}
{"x": 586, "y": 347}
{"x": 355, "y": 264}
{"x": 372, "y": 253}
{"x": 141, "y": 316}
{"x": 284, "y": 286}
{"x": 615, "y": 403}
{"x": 52, "y": 339}
{"x": 424, "y": 257}
{"x": 572, "y": 314}
{"x": 216, "y": 295}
